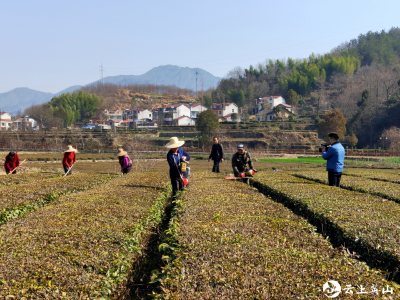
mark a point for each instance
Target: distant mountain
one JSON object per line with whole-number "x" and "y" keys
{"x": 21, "y": 98}
{"x": 71, "y": 89}
{"x": 184, "y": 78}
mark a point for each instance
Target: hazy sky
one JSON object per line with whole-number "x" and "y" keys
{"x": 51, "y": 45}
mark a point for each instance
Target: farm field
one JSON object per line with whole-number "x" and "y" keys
{"x": 387, "y": 189}
{"x": 383, "y": 175}
{"x": 83, "y": 245}
{"x": 18, "y": 199}
{"x": 232, "y": 242}
{"x": 25, "y": 177}
{"x": 87, "y": 235}
{"x": 366, "y": 223}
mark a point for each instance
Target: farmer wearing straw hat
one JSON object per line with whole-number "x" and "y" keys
{"x": 174, "y": 156}
{"x": 11, "y": 162}
{"x": 69, "y": 159}
{"x": 124, "y": 161}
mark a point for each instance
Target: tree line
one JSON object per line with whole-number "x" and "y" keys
{"x": 360, "y": 78}
{"x": 65, "y": 109}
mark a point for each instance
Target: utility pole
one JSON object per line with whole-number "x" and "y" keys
{"x": 101, "y": 74}
{"x": 202, "y": 88}
{"x": 196, "y": 81}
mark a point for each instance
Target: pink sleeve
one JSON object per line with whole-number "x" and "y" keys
{"x": 126, "y": 162}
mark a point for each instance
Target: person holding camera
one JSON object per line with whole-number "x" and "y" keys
{"x": 334, "y": 155}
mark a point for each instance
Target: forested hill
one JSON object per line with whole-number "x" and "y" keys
{"x": 333, "y": 80}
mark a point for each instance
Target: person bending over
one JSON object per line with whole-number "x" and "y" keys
{"x": 241, "y": 161}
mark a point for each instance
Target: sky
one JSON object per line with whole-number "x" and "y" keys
{"x": 51, "y": 45}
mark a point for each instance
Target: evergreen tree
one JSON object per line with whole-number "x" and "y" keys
{"x": 333, "y": 121}
{"x": 292, "y": 98}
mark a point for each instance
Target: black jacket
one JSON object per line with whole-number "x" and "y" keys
{"x": 217, "y": 152}
{"x": 241, "y": 162}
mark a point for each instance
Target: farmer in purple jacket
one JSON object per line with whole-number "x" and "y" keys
{"x": 124, "y": 161}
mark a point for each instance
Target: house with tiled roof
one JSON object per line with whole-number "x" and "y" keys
{"x": 183, "y": 120}
{"x": 195, "y": 109}
{"x": 137, "y": 114}
{"x": 223, "y": 109}
{"x": 228, "y": 118}
{"x": 6, "y": 123}
{"x": 168, "y": 113}
{"x": 269, "y": 115}
{"x": 113, "y": 114}
{"x": 24, "y": 123}
{"x": 267, "y": 103}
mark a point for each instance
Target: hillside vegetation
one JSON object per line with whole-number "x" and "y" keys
{"x": 337, "y": 79}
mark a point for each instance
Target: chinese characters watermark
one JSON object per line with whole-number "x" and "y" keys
{"x": 332, "y": 289}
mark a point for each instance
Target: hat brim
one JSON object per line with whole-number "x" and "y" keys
{"x": 176, "y": 145}
{"x": 71, "y": 150}
{"x": 123, "y": 153}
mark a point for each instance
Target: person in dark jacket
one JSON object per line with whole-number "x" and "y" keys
{"x": 217, "y": 154}
{"x": 124, "y": 161}
{"x": 334, "y": 154}
{"x": 11, "y": 162}
{"x": 241, "y": 161}
{"x": 69, "y": 159}
{"x": 174, "y": 156}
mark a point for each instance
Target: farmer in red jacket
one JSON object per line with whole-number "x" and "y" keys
{"x": 12, "y": 161}
{"x": 69, "y": 159}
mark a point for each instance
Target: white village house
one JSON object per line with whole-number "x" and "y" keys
{"x": 224, "y": 111}
{"x": 6, "y": 123}
{"x": 24, "y": 123}
{"x": 269, "y": 115}
{"x": 168, "y": 113}
{"x": 137, "y": 114}
{"x": 195, "y": 109}
{"x": 184, "y": 120}
{"x": 113, "y": 114}
{"x": 267, "y": 102}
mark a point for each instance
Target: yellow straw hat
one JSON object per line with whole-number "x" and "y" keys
{"x": 174, "y": 143}
{"x": 121, "y": 152}
{"x": 71, "y": 149}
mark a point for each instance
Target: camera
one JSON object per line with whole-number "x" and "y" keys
{"x": 323, "y": 146}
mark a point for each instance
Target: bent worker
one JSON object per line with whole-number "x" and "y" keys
{"x": 125, "y": 161}
{"x": 11, "y": 163}
{"x": 174, "y": 157}
{"x": 217, "y": 154}
{"x": 69, "y": 159}
{"x": 241, "y": 161}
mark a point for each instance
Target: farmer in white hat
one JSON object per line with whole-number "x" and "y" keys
{"x": 124, "y": 161}
{"x": 69, "y": 159}
{"x": 174, "y": 157}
